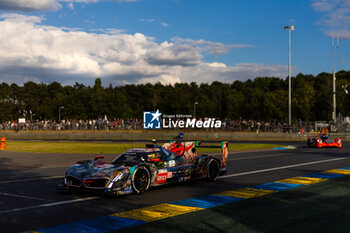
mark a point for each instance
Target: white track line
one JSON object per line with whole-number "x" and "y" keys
{"x": 33, "y": 179}
{"x": 243, "y": 157}
{"x": 68, "y": 201}
{"x": 279, "y": 168}
{"x": 21, "y": 196}
{"x": 47, "y": 205}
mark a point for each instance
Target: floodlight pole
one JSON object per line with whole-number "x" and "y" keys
{"x": 59, "y": 113}
{"x": 194, "y": 109}
{"x": 335, "y": 45}
{"x": 289, "y": 29}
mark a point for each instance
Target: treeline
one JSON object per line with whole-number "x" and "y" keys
{"x": 263, "y": 98}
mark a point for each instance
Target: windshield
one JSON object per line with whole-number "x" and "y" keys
{"x": 170, "y": 155}
{"x": 130, "y": 158}
{"x": 325, "y": 137}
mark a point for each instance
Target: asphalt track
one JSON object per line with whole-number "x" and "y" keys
{"x": 29, "y": 201}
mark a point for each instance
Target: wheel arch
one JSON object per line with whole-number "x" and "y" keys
{"x": 149, "y": 175}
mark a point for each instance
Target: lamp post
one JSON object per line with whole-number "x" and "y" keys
{"x": 335, "y": 45}
{"x": 289, "y": 29}
{"x": 59, "y": 113}
{"x": 194, "y": 109}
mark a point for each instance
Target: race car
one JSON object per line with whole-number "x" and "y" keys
{"x": 324, "y": 140}
{"x": 137, "y": 170}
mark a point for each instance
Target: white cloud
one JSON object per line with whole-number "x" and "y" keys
{"x": 343, "y": 34}
{"x": 17, "y": 18}
{"x": 81, "y": 1}
{"x": 30, "y": 50}
{"x": 171, "y": 54}
{"x": 323, "y": 5}
{"x": 95, "y": 1}
{"x": 30, "y": 5}
{"x": 335, "y": 17}
{"x": 208, "y": 72}
{"x": 45, "y": 5}
{"x": 164, "y": 24}
{"x": 209, "y": 46}
{"x": 148, "y": 20}
{"x": 70, "y": 6}
{"x": 111, "y": 31}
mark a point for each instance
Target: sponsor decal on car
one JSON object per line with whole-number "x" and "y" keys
{"x": 171, "y": 163}
{"x": 161, "y": 178}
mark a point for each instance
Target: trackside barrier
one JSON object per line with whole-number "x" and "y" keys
{"x": 2, "y": 143}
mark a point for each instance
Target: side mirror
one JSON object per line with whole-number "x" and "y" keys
{"x": 99, "y": 157}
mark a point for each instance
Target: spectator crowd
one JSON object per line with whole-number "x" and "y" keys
{"x": 240, "y": 125}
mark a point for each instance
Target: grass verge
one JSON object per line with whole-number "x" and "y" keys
{"x": 107, "y": 148}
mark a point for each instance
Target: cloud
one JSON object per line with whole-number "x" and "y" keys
{"x": 70, "y": 6}
{"x": 164, "y": 24}
{"x": 323, "y": 5}
{"x": 45, "y": 5}
{"x": 343, "y": 34}
{"x": 171, "y": 54}
{"x": 208, "y": 72}
{"x": 148, "y": 20}
{"x": 335, "y": 17}
{"x": 81, "y": 1}
{"x": 44, "y": 53}
{"x": 209, "y": 46}
{"x": 30, "y": 5}
{"x": 95, "y": 1}
{"x": 111, "y": 31}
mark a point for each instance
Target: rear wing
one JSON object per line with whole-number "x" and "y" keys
{"x": 224, "y": 151}
{"x": 187, "y": 149}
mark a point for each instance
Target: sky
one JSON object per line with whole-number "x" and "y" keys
{"x": 169, "y": 41}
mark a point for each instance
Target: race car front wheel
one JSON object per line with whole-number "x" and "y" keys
{"x": 213, "y": 169}
{"x": 141, "y": 180}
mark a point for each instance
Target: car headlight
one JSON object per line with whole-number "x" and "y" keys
{"x": 119, "y": 179}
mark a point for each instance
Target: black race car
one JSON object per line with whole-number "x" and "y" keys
{"x": 136, "y": 170}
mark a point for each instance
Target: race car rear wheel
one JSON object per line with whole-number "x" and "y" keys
{"x": 141, "y": 180}
{"x": 213, "y": 169}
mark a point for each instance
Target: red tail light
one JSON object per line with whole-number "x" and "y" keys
{"x": 88, "y": 181}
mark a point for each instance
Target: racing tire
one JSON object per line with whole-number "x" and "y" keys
{"x": 309, "y": 142}
{"x": 213, "y": 170}
{"x": 140, "y": 180}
